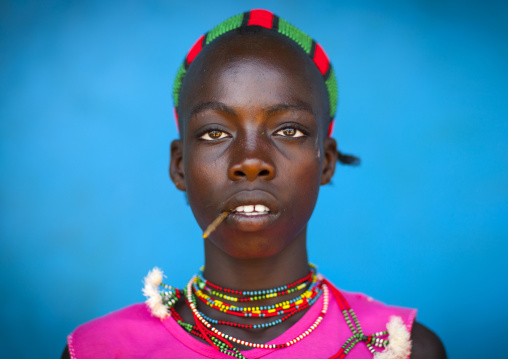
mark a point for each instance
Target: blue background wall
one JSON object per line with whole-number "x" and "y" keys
{"x": 87, "y": 207}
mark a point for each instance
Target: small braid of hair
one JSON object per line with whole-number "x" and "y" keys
{"x": 346, "y": 159}
{"x": 268, "y": 20}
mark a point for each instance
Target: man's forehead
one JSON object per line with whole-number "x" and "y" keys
{"x": 236, "y": 65}
{"x": 268, "y": 110}
{"x": 251, "y": 89}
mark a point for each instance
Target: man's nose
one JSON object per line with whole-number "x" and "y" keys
{"x": 251, "y": 169}
{"x": 252, "y": 161}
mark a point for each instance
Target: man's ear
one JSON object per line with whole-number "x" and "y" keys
{"x": 176, "y": 171}
{"x": 330, "y": 156}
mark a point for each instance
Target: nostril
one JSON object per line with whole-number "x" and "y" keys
{"x": 250, "y": 169}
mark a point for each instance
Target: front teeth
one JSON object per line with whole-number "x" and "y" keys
{"x": 252, "y": 210}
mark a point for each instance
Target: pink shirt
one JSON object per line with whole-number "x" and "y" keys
{"x": 133, "y": 333}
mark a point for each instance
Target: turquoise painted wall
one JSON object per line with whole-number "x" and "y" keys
{"x": 87, "y": 207}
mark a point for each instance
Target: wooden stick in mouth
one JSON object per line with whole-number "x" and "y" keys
{"x": 215, "y": 223}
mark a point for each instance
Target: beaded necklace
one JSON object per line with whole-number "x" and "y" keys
{"x": 256, "y": 294}
{"x": 204, "y": 323}
{"x": 299, "y": 303}
{"x": 199, "y": 287}
{"x": 203, "y": 327}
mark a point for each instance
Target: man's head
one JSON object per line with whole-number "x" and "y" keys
{"x": 254, "y": 114}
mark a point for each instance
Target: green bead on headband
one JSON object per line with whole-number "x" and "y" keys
{"x": 268, "y": 20}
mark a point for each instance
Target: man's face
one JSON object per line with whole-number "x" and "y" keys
{"x": 253, "y": 144}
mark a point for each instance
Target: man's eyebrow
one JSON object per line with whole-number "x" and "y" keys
{"x": 291, "y": 106}
{"x": 212, "y": 105}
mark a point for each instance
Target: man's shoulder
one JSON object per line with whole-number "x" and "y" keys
{"x": 121, "y": 319}
{"x": 425, "y": 343}
{"x": 373, "y": 310}
{"x": 121, "y": 331}
{"x": 115, "y": 326}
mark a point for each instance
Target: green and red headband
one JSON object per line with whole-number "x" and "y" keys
{"x": 268, "y": 20}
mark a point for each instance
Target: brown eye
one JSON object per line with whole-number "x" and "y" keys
{"x": 290, "y": 132}
{"x": 214, "y": 135}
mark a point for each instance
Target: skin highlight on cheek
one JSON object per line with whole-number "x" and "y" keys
{"x": 318, "y": 148}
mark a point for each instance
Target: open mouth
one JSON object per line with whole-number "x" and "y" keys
{"x": 252, "y": 210}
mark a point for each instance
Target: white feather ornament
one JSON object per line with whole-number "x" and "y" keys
{"x": 154, "y": 277}
{"x": 400, "y": 340}
{"x": 153, "y": 295}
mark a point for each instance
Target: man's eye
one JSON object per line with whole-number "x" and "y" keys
{"x": 290, "y": 132}
{"x": 214, "y": 135}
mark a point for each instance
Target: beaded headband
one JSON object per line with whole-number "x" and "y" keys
{"x": 268, "y": 20}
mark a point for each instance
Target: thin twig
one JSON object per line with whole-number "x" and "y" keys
{"x": 215, "y": 223}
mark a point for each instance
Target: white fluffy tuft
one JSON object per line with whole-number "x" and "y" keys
{"x": 154, "y": 277}
{"x": 153, "y": 295}
{"x": 400, "y": 340}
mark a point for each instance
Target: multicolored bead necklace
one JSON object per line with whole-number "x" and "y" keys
{"x": 203, "y": 327}
{"x": 299, "y": 303}
{"x": 199, "y": 287}
{"x": 204, "y": 324}
{"x": 290, "y": 307}
{"x": 253, "y": 295}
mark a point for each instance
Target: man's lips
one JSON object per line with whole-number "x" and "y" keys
{"x": 251, "y": 210}
{"x": 251, "y": 203}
